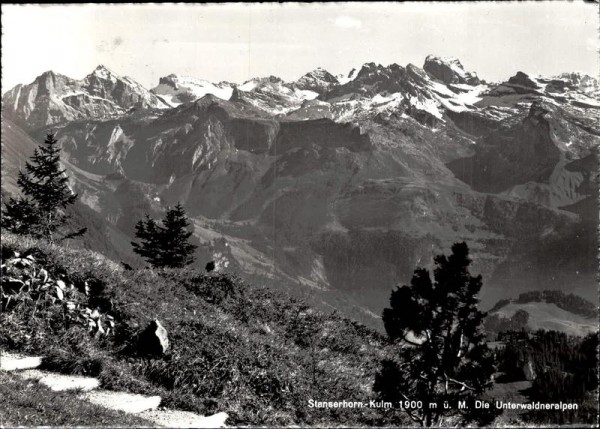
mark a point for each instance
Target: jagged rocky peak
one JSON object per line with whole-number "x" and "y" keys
{"x": 54, "y": 98}
{"x": 170, "y": 80}
{"x": 123, "y": 91}
{"x": 318, "y": 80}
{"x": 449, "y": 70}
{"x": 50, "y": 82}
{"x": 580, "y": 81}
{"x": 524, "y": 80}
{"x": 103, "y": 72}
{"x": 369, "y": 69}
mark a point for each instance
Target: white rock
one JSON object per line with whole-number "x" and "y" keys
{"x": 127, "y": 402}
{"x": 10, "y": 362}
{"x": 60, "y": 382}
{"x": 184, "y": 419}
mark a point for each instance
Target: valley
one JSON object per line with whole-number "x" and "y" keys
{"x": 335, "y": 189}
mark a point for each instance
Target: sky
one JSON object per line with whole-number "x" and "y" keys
{"x": 235, "y": 42}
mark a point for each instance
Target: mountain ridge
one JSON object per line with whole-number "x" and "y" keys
{"x": 341, "y": 189}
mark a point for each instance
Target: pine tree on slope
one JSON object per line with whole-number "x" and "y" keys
{"x": 442, "y": 356}
{"x": 167, "y": 245}
{"x": 41, "y": 211}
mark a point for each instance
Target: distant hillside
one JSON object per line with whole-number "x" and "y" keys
{"x": 549, "y": 310}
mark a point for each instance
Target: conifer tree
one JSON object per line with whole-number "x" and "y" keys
{"x": 167, "y": 245}
{"x": 178, "y": 251}
{"x": 442, "y": 357}
{"x": 149, "y": 234}
{"x": 40, "y": 212}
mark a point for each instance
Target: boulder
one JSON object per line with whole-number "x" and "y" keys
{"x": 153, "y": 340}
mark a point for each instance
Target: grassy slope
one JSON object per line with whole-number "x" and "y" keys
{"x": 543, "y": 315}
{"x": 27, "y": 403}
{"x": 249, "y": 352}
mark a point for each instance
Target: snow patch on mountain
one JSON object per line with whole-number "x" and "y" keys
{"x": 344, "y": 79}
{"x": 248, "y": 85}
{"x": 427, "y": 105}
{"x": 104, "y": 73}
{"x": 180, "y": 89}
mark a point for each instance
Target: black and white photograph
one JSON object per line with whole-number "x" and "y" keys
{"x": 351, "y": 214}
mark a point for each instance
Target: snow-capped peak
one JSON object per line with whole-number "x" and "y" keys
{"x": 104, "y": 72}
{"x": 318, "y": 80}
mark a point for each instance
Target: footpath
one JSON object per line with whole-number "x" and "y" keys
{"x": 89, "y": 389}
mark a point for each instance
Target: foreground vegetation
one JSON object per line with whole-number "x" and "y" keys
{"x": 256, "y": 354}
{"x": 249, "y": 352}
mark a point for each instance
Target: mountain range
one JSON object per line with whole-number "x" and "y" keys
{"x": 336, "y": 187}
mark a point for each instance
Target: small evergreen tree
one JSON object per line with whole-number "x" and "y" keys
{"x": 148, "y": 232}
{"x": 167, "y": 245}
{"x": 442, "y": 357}
{"x": 40, "y": 212}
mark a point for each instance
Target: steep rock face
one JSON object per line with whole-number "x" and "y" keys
{"x": 53, "y": 99}
{"x": 39, "y": 103}
{"x": 449, "y": 70}
{"x": 527, "y": 152}
{"x": 475, "y": 123}
{"x": 321, "y": 132}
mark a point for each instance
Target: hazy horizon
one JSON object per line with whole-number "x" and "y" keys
{"x": 235, "y": 42}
